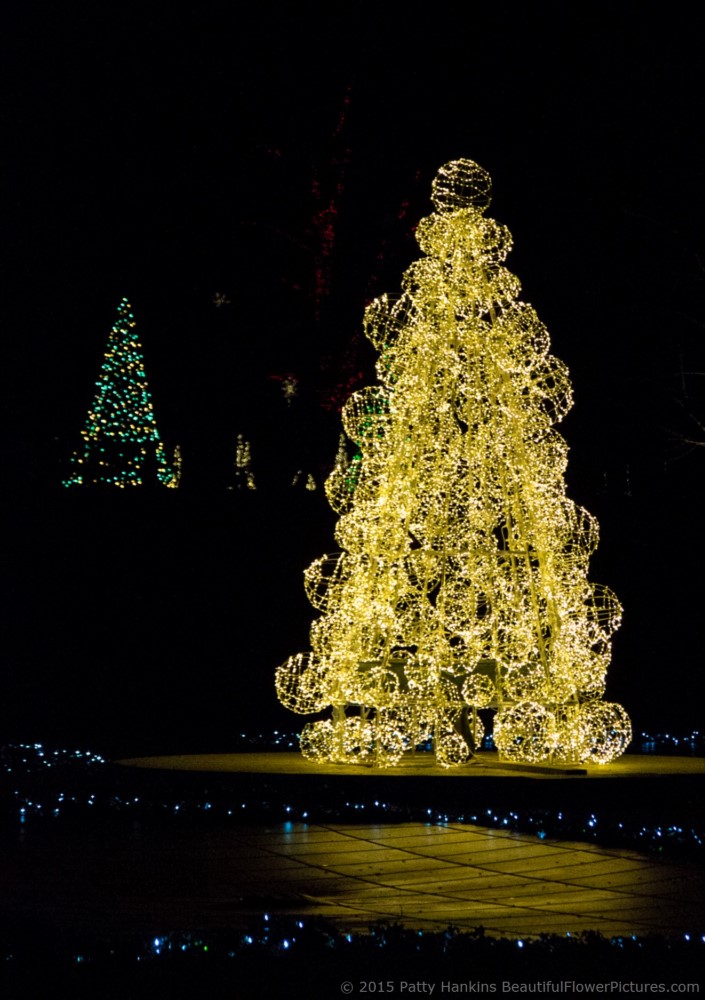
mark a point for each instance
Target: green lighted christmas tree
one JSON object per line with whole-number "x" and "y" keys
{"x": 461, "y": 585}
{"x": 121, "y": 444}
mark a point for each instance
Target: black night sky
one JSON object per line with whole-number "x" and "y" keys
{"x": 280, "y": 155}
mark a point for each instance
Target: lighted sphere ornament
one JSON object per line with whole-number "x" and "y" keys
{"x": 461, "y": 581}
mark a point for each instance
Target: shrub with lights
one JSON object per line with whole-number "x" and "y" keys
{"x": 461, "y": 581}
{"x": 121, "y": 444}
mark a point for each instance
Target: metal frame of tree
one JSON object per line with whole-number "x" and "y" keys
{"x": 460, "y": 589}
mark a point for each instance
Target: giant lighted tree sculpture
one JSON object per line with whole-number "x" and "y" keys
{"x": 462, "y": 581}
{"x": 121, "y": 444}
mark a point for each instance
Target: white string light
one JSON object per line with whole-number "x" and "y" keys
{"x": 461, "y": 583}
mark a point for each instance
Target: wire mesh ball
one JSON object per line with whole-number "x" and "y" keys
{"x": 461, "y": 184}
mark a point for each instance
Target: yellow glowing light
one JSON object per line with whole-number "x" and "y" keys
{"x": 176, "y": 465}
{"x": 244, "y": 476}
{"x": 461, "y": 581}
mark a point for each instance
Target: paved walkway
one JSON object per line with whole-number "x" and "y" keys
{"x": 430, "y": 876}
{"x": 152, "y": 877}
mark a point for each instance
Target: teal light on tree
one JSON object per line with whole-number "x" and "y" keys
{"x": 121, "y": 445}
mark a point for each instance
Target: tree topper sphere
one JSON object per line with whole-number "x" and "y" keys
{"x": 461, "y": 184}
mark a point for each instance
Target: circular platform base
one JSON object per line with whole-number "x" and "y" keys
{"x": 485, "y": 765}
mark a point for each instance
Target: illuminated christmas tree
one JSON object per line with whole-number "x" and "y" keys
{"x": 121, "y": 444}
{"x": 461, "y": 584}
